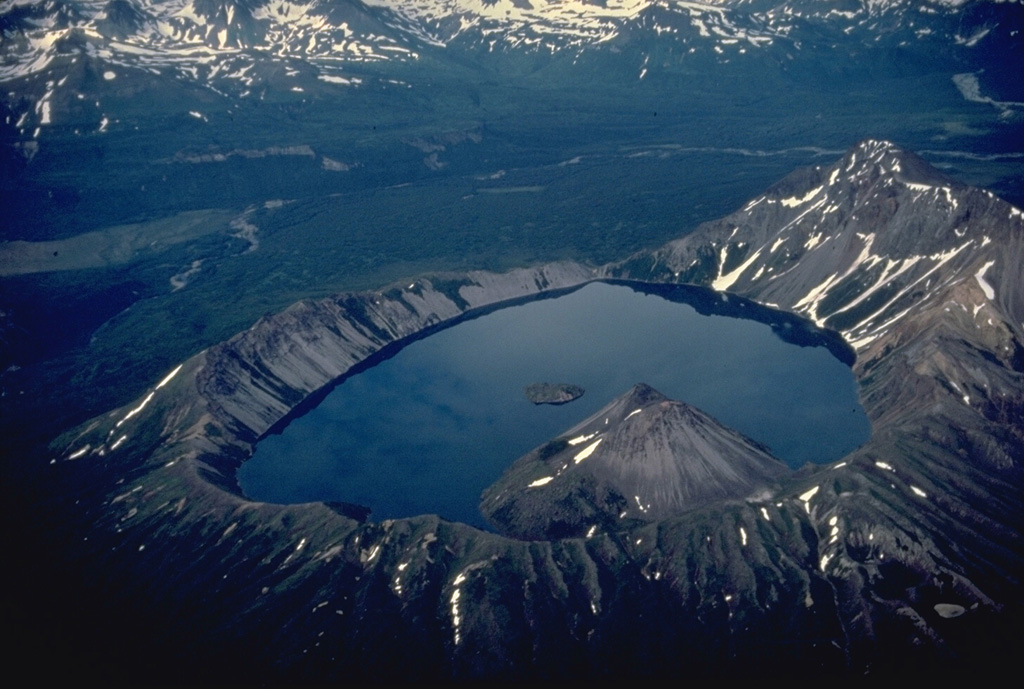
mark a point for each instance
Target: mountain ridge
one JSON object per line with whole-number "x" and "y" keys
{"x": 928, "y": 229}
{"x": 241, "y": 48}
{"x": 900, "y": 557}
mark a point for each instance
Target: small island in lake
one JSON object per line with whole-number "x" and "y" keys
{"x": 552, "y": 393}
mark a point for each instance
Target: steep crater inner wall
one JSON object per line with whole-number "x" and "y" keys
{"x": 447, "y": 416}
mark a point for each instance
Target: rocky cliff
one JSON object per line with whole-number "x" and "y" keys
{"x": 254, "y": 381}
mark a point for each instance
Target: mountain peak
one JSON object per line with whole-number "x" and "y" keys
{"x": 642, "y": 457}
{"x": 860, "y": 244}
{"x": 884, "y": 158}
{"x": 643, "y": 394}
{"x": 120, "y": 19}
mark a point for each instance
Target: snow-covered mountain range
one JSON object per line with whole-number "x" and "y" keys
{"x": 184, "y": 34}
{"x": 62, "y": 60}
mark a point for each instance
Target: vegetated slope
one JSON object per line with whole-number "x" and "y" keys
{"x": 641, "y": 458}
{"x": 904, "y": 556}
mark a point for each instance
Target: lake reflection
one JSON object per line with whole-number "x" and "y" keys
{"x": 427, "y": 430}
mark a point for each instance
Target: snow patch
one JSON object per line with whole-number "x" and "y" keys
{"x": 331, "y": 79}
{"x": 793, "y": 201}
{"x": 724, "y": 282}
{"x": 582, "y": 438}
{"x": 137, "y": 409}
{"x": 805, "y": 497}
{"x": 990, "y": 293}
{"x": 587, "y": 451}
{"x": 168, "y": 377}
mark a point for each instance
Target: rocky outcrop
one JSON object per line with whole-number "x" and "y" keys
{"x": 552, "y": 393}
{"x": 850, "y": 568}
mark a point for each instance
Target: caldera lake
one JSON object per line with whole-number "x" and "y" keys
{"x": 426, "y": 426}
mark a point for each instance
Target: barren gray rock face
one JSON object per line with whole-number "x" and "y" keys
{"x": 906, "y": 555}
{"x": 641, "y": 458}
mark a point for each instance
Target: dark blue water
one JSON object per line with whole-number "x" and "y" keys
{"x": 427, "y": 430}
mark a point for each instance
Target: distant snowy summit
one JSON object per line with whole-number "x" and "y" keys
{"x": 185, "y": 34}
{"x": 68, "y": 64}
